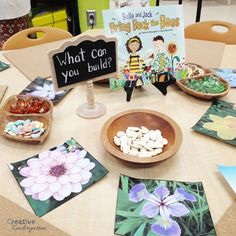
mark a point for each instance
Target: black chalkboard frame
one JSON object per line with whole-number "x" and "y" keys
{"x": 76, "y": 42}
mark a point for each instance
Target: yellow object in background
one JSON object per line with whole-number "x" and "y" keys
{"x": 55, "y": 19}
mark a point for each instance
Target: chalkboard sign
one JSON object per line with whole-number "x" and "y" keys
{"x": 83, "y": 59}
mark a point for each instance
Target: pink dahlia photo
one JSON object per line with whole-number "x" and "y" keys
{"x": 56, "y": 174}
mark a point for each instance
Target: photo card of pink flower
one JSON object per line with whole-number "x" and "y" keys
{"x": 44, "y": 88}
{"x": 53, "y": 177}
{"x": 151, "y": 207}
{"x": 219, "y": 122}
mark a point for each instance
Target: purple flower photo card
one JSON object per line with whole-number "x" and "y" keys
{"x": 149, "y": 207}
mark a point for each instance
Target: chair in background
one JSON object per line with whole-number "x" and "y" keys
{"x": 199, "y": 8}
{"x": 22, "y": 40}
{"x": 206, "y": 30}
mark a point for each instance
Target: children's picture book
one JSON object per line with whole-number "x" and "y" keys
{"x": 219, "y": 122}
{"x": 227, "y": 74}
{"x": 44, "y": 88}
{"x": 53, "y": 177}
{"x": 149, "y": 207}
{"x": 150, "y": 44}
{"x": 229, "y": 173}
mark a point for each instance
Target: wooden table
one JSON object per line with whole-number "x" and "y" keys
{"x": 93, "y": 211}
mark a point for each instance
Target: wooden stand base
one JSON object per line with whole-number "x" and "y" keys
{"x": 91, "y": 109}
{"x": 161, "y": 86}
{"x": 86, "y": 112}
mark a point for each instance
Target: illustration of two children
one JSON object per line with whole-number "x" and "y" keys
{"x": 135, "y": 65}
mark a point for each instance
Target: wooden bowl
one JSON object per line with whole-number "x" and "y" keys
{"x": 13, "y": 99}
{"x": 151, "y": 120}
{"x": 5, "y": 119}
{"x": 207, "y": 96}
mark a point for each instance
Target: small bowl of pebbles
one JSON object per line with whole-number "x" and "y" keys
{"x": 30, "y": 129}
{"x": 141, "y": 136}
{"x": 206, "y": 87}
{"x": 26, "y": 118}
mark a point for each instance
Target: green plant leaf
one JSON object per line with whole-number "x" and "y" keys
{"x": 187, "y": 231}
{"x": 127, "y": 227}
{"x": 127, "y": 213}
{"x": 140, "y": 230}
{"x": 123, "y": 202}
{"x": 124, "y": 183}
{"x": 134, "y": 220}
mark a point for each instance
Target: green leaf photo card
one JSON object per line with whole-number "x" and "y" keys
{"x": 219, "y": 122}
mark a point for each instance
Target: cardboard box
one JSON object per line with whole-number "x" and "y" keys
{"x": 56, "y": 19}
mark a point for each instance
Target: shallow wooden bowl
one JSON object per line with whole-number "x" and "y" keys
{"x": 207, "y": 96}
{"x": 151, "y": 120}
{"x": 4, "y": 119}
{"x": 13, "y": 99}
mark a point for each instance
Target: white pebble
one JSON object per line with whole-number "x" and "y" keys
{"x": 159, "y": 150}
{"x": 164, "y": 141}
{"x": 126, "y": 149}
{"x": 140, "y": 135}
{"x": 120, "y": 133}
{"x": 138, "y": 142}
{"x": 156, "y": 151}
{"x": 144, "y": 130}
{"x": 136, "y": 146}
{"x": 133, "y": 129}
{"x": 153, "y": 135}
{"x": 117, "y": 141}
{"x": 133, "y": 152}
{"x": 129, "y": 133}
{"x": 129, "y": 141}
{"x": 159, "y": 139}
{"x": 145, "y": 138}
{"x": 158, "y": 145}
{"x": 145, "y": 145}
{"x": 151, "y": 144}
{"x": 135, "y": 135}
{"x": 144, "y": 154}
{"x": 158, "y": 132}
{"x": 123, "y": 140}
{"x": 143, "y": 149}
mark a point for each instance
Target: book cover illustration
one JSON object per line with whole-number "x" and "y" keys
{"x": 150, "y": 44}
{"x": 219, "y": 122}
{"x": 53, "y": 177}
{"x": 150, "y": 207}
